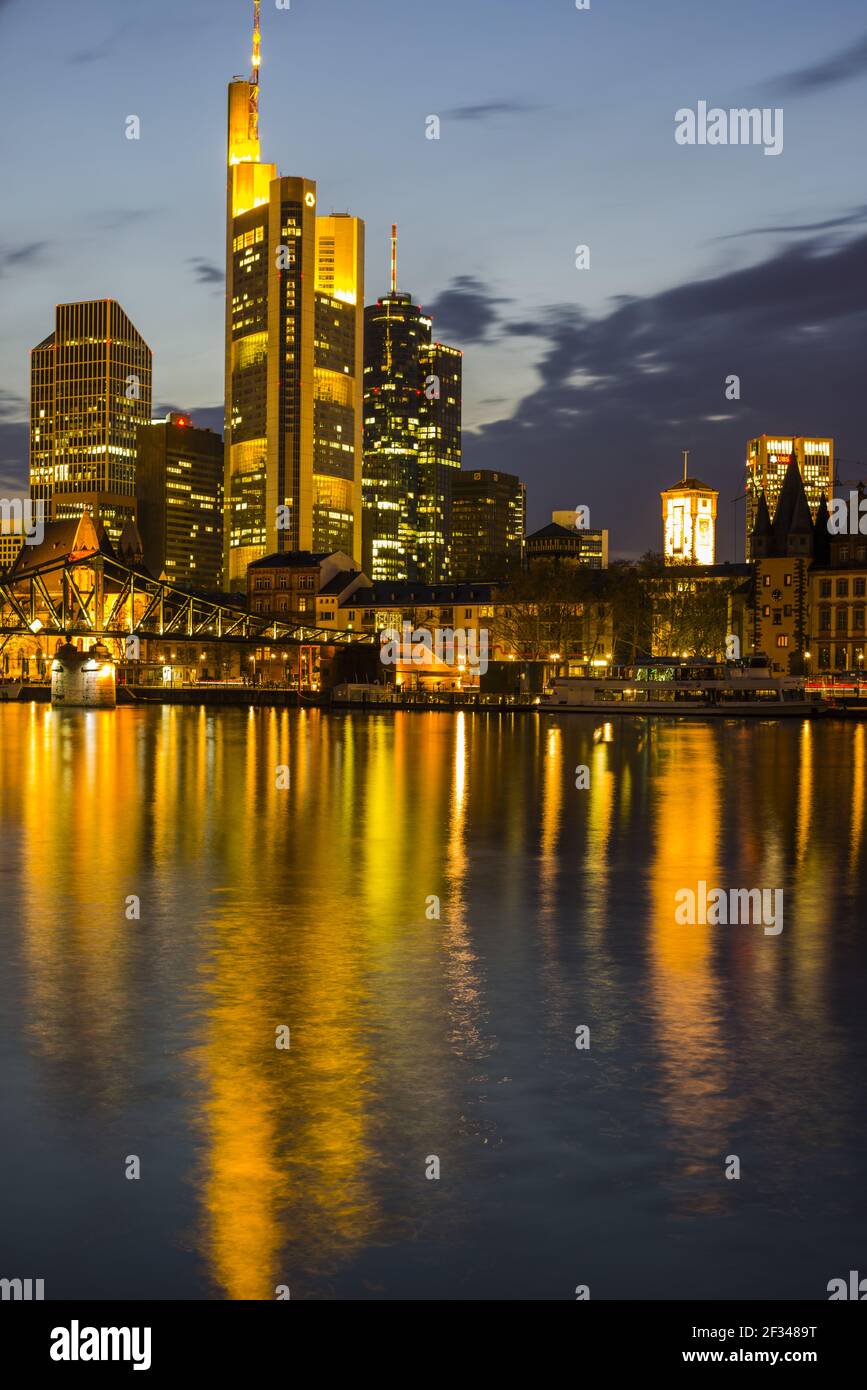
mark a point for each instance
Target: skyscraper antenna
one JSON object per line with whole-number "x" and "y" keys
{"x": 257, "y": 40}
{"x": 253, "y": 120}
{"x": 394, "y": 257}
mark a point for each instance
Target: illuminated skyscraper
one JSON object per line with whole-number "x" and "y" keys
{"x": 689, "y": 521}
{"x": 90, "y": 389}
{"x": 768, "y": 459}
{"x": 338, "y": 384}
{"x": 395, "y": 332}
{"x": 179, "y": 485}
{"x": 488, "y": 519}
{"x": 439, "y": 458}
{"x": 412, "y": 440}
{"x": 294, "y": 356}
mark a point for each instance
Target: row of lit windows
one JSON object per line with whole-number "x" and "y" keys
{"x": 248, "y": 238}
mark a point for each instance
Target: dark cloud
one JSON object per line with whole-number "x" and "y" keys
{"x": 621, "y": 395}
{"x": 466, "y": 311}
{"x": 94, "y": 54}
{"x": 17, "y": 256}
{"x": 843, "y": 66}
{"x": 14, "y": 435}
{"x": 12, "y": 407}
{"x": 116, "y": 219}
{"x": 849, "y": 219}
{"x": 103, "y": 47}
{"x": 13, "y": 459}
{"x": 484, "y": 109}
{"x": 205, "y": 272}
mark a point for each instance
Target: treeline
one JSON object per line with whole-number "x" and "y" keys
{"x": 632, "y": 610}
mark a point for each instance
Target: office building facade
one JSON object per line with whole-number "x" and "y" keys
{"x": 412, "y": 440}
{"x": 768, "y": 459}
{"x": 488, "y": 521}
{"x": 439, "y": 458}
{"x": 179, "y": 487}
{"x": 395, "y": 332}
{"x": 90, "y": 389}
{"x": 294, "y": 356}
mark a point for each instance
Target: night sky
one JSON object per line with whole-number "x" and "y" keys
{"x": 557, "y": 130}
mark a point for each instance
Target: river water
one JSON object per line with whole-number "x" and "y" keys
{"x": 179, "y": 887}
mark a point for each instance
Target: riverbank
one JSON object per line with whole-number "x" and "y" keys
{"x": 244, "y": 696}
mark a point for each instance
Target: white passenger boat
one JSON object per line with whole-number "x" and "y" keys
{"x": 667, "y": 686}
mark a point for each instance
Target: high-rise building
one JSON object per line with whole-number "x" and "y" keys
{"x": 439, "y": 458}
{"x": 488, "y": 517}
{"x": 412, "y": 439}
{"x": 11, "y": 541}
{"x": 689, "y": 521}
{"x": 338, "y": 384}
{"x": 768, "y": 459}
{"x": 179, "y": 485}
{"x": 90, "y": 389}
{"x": 395, "y": 332}
{"x": 294, "y": 356}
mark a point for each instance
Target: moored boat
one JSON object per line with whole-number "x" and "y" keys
{"x": 668, "y": 686}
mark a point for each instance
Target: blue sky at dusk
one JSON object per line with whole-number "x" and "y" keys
{"x": 557, "y": 130}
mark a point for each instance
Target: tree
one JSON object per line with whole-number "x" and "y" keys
{"x": 552, "y": 609}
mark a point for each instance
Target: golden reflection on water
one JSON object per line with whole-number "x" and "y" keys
{"x": 859, "y": 787}
{"x": 307, "y": 907}
{"x": 683, "y": 979}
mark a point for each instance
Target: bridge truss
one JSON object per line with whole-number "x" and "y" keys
{"x": 95, "y": 596}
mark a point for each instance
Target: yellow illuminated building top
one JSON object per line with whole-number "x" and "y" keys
{"x": 689, "y": 521}
{"x": 768, "y": 458}
{"x": 294, "y": 355}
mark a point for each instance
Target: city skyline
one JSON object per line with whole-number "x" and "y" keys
{"x": 433, "y": 669}
{"x": 548, "y": 390}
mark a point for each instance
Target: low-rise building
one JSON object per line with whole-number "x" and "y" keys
{"x": 837, "y": 638}
{"x": 287, "y": 584}
{"x": 698, "y": 609}
{"x": 567, "y": 545}
{"x": 455, "y": 621}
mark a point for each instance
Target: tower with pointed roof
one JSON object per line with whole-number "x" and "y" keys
{"x": 689, "y": 520}
{"x": 783, "y": 550}
{"x": 768, "y": 459}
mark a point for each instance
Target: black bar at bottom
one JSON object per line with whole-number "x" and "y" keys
{"x": 222, "y": 1338}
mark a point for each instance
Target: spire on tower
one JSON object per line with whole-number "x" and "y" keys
{"x": 685, "y": 463}
{"x": 257, "y": 40}
{"x": 394, "y": 258}
{"x": 253, "y": 121}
